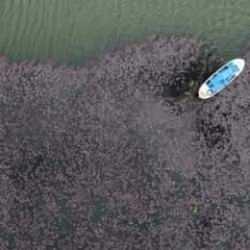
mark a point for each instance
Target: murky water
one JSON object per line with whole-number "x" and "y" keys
{"x": 74, "y": 30}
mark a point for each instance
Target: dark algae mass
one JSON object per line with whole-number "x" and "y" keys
{"x": 120, "y": 153}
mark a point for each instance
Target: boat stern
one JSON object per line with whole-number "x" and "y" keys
{"x": 205, "y": 92}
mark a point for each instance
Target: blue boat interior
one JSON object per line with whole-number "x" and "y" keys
{"x": 222, "y": 78}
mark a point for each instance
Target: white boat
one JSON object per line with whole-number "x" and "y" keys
{"x": 221, "y": 78}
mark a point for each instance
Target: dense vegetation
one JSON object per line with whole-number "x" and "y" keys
{"x": 103, "y": 157}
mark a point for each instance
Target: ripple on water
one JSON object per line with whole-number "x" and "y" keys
{"x": 72, "y": 31}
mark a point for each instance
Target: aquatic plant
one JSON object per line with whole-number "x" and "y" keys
{"x": 165, "y": 66}
{"x": 94, "y": 158}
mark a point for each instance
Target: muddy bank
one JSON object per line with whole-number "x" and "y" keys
{"x": 104, "y": 157}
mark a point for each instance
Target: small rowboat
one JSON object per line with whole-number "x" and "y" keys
{"x": 221, "y": 78}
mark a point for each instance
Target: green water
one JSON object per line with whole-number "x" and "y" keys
{"x": 72, "y": 31}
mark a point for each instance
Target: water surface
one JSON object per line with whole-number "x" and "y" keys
{"x": 72, "y": 31}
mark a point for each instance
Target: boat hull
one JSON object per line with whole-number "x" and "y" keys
{"x": 221, "y": 78}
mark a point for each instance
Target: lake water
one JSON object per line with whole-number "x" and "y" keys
{"x": 71, "y": 31}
